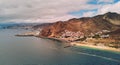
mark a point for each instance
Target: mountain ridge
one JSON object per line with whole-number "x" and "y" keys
{"x": 108, "y": 21}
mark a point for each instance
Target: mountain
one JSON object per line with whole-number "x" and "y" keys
{"x": 17, "y": 25}
{"x": 109, "y": 21}
{"x": 114, "y": 18}
{"x": 41, "y": 25}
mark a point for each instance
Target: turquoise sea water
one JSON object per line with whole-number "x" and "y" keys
{"x": 37, "y": 51}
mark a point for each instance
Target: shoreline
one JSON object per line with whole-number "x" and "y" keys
{"x": 85, "y": 45}
{"x": 55, "y": 39}
{"x": 74, "y": 43}
{"x": 96, "y": 47}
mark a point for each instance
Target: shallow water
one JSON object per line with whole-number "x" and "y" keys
{"x": 36, "y": 51}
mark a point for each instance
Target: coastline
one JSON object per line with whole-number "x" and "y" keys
{"x": 74, "y": 43}
{"x": 55, "y": 39}
{"x": 84, "y": 45}
{"x": 96, "y": 47}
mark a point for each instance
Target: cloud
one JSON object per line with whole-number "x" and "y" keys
{"x": 109, "y": 8}
{"x": 89, "y": 14}
{"x": 40, "y": 10}
{"x": 104, "y": 8}
{"x": 45, "y": 20}
{"x": 51, "y": 10}
{"x": 105, "y": 1}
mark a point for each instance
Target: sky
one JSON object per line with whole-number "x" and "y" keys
{"x": 47, "y": 11}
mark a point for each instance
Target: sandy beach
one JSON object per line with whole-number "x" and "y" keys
{"x": 97, "y": 47}
{"x": 85, "y": 44}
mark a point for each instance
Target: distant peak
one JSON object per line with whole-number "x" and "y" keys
{"x": 111, "y": 13}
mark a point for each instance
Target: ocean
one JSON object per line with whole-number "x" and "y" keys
{"x": 36, "y": 51}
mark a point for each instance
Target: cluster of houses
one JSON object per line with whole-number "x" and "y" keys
{"x": 72, "y": 34}
{"x": 102, "y": 35}
{"x": 80, "y": 35}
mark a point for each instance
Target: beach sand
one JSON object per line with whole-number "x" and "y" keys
{"x": 97, "y": 47}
